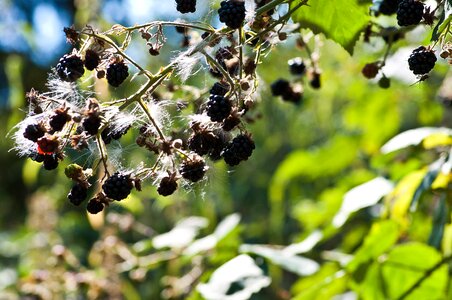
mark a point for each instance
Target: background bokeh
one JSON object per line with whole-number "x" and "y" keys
{"x": 306, "y": 156}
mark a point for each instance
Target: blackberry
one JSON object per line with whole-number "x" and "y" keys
{"x": 48, "y": 144}
{"x": 232, "y": 13}
{"x": 201, "y": 142}
{"x": 391, "y": 34}
{"x": 297, "y": 66}
{"x": 91, "y": 124}
{"x": 193, "y": 169}
{"x": 50, "y": 162}
{"x": 59, "y": 119}
{"x": 292, "y": 96}
{"x": 421, "y": 60}
{"x": 33, "y": 132}
{"x": 77, "y": 194}
{"x": 118, "y": 186}
{"x": 94, "y": 206}
{"x": 409, "y": 12}
{"x": 384, "y": 82}
{"x": 388, "y": 7}
{"x": 186, "y": 6}
{"x": 70, "y": 67}
{"x": 37, "y": 157}
{"x": 167, "y": 186}
{"x": 280, "y": 87}
{"x": 180, "y": 29}
{"x": 92, "y": 60}
{"x": 116, "y": 73}
{"x": 217, "y": 147}
{"x": 239, "y": 149}
{"x": 218, "y": 108}
{"x": 219, "y": 89}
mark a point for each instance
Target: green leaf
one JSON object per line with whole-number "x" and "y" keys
{"x": 439, "y": 222}
{"x": 381, "y": 237}
{"x": 364, "y": 195}
{"x": 407, "y": 264}
{"x": 296, "y": 264}
{"x": 342, "y": 21}
{"x": 412, "y": 137}
{"x": 426, "y": 182}
{"x": 240, "y": 273}
{"x": 444, "y": 19}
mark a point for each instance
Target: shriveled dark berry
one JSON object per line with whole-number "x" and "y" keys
{"x": 108, "y": 134}
{"x": 280, "y": 87}
{"x": 94, "y": 206}
{"x": 388, "y": 7}
{"x": 118, "y": 186}
{"x": 292, "y": 96}
{"x": 370, "y": 70}
{"x": 186, "y": 6}
{"x": 421, "y": 60}
{"x": 37, "y": 157}
{"x": 391, "y": 34}
{"x": 218, "y": 108}
{"x": 167, "y": 186}
{"x": 315, "y": 82}
{"x": 48, "y": 144}
{"x": 116, "y": 73}
{"x": 193, "y": 169}
{"x": 91, "y": 124}
{"x": 384, "y": 82}
{"x": 232, "y": 13}
{"x": 50, "y": 162}
{"x": 297, "y": 66}
{"x": 92, "y": 60}
{"x": 34, "y": 131}
{"x": 201, "y": 142}
{"x": 77, "y": 194}
{"x": 219, "y": 89}
{"x": 59, "y": 119}
{"x": 70, "y": 67}
{"x": 409, "y": 12}
{"x": 239, "y": 149}
{"x": 230, "y": 122}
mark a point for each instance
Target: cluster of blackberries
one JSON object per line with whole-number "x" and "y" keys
{"x": 186, "y": 6}
{"x": 232, "y": 13}
{"x": 71, "y": 67}
{"x": 422, "y": 60}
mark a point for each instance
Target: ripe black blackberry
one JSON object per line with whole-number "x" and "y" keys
{"x": 118, "y": 186}
{"x": 94, "y": 206}
{"x": 167, "y": 186}
{"x": 193, "y": 168}
{"x": 232, "y": 13}
{"x": 77, "y": 194}
{"x": 117, "y": 72}
{"x": 218, "y": 108}
{"x": 421, "y": 60}
{"x": 186, "y": 6}
{"x": 217, "y": 147}
{"x": 91, "y": 124}
{"x": 59, "y": 119}
{"x": 239, "y": 149}
{"x": 297, "y": 66}
{"x": 280, "y": 87}
{"x": 34, "y": 131}
{"x": 292, "y": 96}
{"x": 388, "y": 7}
{"x": 37, "y": 157}
{"x": 219, "y": 89}
{"x": 92, "y": 60}
{"x": 409, "y": 12}
{"x": 70, "y": 67}
{"x": 370, "y": 70}
{"x": 50, "y": 162}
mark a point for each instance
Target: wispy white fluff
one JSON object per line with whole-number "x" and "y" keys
{"x": 250, "y": 7}
{"x": 65, "y": 92}
{"x": 22, "y": 145}
{"x": 185, "y": 64}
